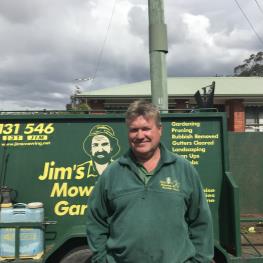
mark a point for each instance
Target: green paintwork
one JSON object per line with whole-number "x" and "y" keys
{"x": 23, "y": 167}
{"x": 246, "y": 150}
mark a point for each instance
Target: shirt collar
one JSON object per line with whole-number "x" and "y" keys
{"x": 166, "y": 157}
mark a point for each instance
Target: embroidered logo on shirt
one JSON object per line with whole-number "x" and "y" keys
{"x": 170, "y": 184}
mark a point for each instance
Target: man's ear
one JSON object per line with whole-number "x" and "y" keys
{"x": 161, "y": 129}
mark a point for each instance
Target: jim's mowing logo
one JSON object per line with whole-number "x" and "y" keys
{"x": 101, "y": 145}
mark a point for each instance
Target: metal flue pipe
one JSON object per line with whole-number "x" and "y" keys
{"x": 158, "y": 48}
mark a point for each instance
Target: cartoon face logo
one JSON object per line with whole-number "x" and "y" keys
{"x": 101, "y": 145}
{"x": 101, "y": 149}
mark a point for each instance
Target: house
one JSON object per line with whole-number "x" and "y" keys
{"x": 240, "y": 97}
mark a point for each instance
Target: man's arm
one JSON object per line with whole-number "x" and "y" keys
{"x": 200, "y": 223}
{"x": 97, "y": 226}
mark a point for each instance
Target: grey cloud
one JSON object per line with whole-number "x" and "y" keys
{"x": 46, "y": 44}
{"x": 138, "y": 23}
{"x": 20, "y": 11}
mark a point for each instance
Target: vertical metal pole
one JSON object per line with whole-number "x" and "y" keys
{"x": 158, "y": 48}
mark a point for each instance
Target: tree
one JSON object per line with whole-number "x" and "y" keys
{"x": 78, "y": 105}
{"x": 253, "y": 66}
{"x": 83, "y": 107}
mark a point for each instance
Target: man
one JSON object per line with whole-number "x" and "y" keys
{"x": 149, "y": 206}
{"x": 101, "y": 145}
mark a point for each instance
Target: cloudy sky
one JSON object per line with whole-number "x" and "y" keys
{"x": 47, "y": 44}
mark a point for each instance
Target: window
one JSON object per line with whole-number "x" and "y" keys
{"x": 254, "y": 118}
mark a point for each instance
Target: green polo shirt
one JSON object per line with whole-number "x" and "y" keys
{"x": 168, "y": 220}
{"x": 144, "y": 175}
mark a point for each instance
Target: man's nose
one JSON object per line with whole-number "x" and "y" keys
{"x": 100, "y": 148}
{"x": 140, "y": 134}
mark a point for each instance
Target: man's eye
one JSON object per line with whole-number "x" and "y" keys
{"x": 146, "y": 129}
{"x": 105, "y": 144}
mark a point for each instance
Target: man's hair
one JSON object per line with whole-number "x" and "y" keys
{"x": 145, "y": 109}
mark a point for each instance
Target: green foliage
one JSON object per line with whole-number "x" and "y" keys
{"x": 81, "y": 108}
{"x": 253, "y": 66}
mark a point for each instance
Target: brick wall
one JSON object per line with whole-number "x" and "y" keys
{"x": 236, "y": 115}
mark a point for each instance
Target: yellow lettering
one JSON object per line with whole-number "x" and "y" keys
{"x": 85, "y": 191}
{"x": 204, "y": 143}
{"x": 73, "y": 191}
{"x": 209, "y": 190}
{"x": 61, "y": 208}
{"x": 58, "y": 190}
{"x": 80, "y": 173}
{"x": 45, "y": 173}
{"x": 194, "y": 162}
{"x": 194, "y": 156}
{"x": 50, "y": 172}
{"x": 74, "y": 210}
{"x": 64, "y": 208}
{"x": 63, "y": 173}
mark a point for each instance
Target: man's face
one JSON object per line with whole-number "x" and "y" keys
{"x": 144, "y": 136}
{"x": 101, "y": 149}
